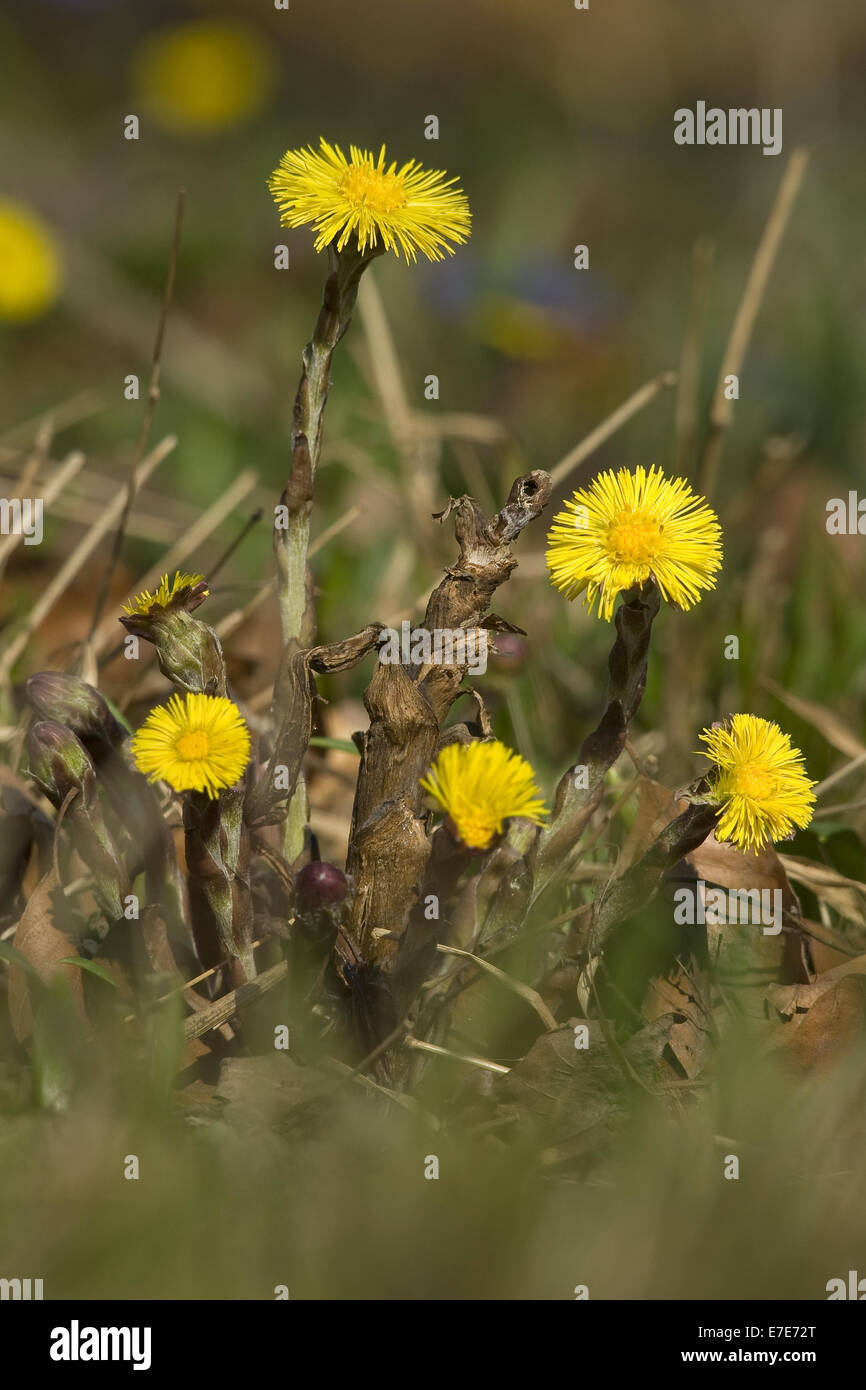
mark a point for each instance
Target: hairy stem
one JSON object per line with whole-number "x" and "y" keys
{"x": 292, "y": 529}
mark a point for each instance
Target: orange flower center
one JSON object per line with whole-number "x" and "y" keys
{"x": 475, "y": 830}
{"x": 754, "y": 781}
{"x": 634, "y": 537}
{"x": 365, "y": 185}
{"x": 192, "y": 747}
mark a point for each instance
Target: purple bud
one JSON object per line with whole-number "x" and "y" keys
{"x": 320, "y": 885}
{"x": 59, "y": 762}
{"x": 65, "y": 699}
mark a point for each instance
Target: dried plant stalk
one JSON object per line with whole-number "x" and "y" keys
{"x": 389, "y": 844}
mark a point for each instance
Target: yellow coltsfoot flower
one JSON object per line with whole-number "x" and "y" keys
{"x": 631, "y": 526}
{"x": 480, "y": 786}
{"x": 759, "y": 781}
{"x": 409, "y": 209}
{"x": 185, "y": 590}
{"x": 195, "y": 743}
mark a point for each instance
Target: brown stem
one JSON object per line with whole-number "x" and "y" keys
{"x": 408, "y": 704}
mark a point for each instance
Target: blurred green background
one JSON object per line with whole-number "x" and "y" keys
{"x": 559, "y": 124}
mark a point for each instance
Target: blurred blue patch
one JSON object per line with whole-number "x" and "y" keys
{"x": 541, "y": 309}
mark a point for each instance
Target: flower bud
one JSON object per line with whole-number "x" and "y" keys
{"x": 188, "y": 651}
{"x": 59, "y": 762}
{"x": 55, "y": 696}
{"x": 320, "y": 885}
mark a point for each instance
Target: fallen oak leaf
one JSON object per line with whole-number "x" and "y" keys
{"x": 568, "y": 1090}
{"x": 846, "y": 895}
{"x": 790, "y": 1000}
{"x": 834, "y": 1025}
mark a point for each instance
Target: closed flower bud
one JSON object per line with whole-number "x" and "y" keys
{"x": 320, "y": 885}
{"x": 59, "y": 762}
{"x": 188, "y": 651}
{"x": 67, "y": 700}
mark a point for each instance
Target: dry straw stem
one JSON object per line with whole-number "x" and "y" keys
{"x": 80, "y": 555}
{"x": 722, "y": 409}
{"x": 218, "y": 1013}
{"x": 608, "y": 427}
{"x": 532, "y": 997}
{"x": 72, "y": 411}
{"x": 691, "y": 356}
{"x": 413, "y": 431}
{"x": 238, "y": 616}
{"x": 405, "y": 1102}
{"x": 146, "y": 423}
{"x": 232, "y": 621}
{"x": 66, "y": 471}
{"x": 37, "y": 457}
{"x": 156, "y": 519}
{"x": 225, "y": 382}
{"x": 482, "y": 1062}
{"x": 840, "y": 774}
{"x": 826, "y": 721}
{"x": 418, "y": 459}
{"x": 386, "y": 370}
{"x": 178, "y": 553}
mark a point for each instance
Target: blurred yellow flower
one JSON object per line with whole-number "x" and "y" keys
{"x": 758, "y": 780}
{"x": 203, "y": 77}
{"x": 29, "y": 264}
{"x": 481, "y": 785}
{"x": 409, "y": 209}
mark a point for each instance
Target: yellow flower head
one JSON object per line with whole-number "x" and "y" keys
{"x": 627, "y": 527}
{"x": 480, "y": 785}
{"x": 29, "y": 265}
{"x": 202, "y": 77}
{"x": 759, "y": 781}
{"x": 169, "y": 592}
{"x": 409, "y": 209}
{"x": 195, "y": 743}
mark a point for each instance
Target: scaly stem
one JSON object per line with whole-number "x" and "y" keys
{"x": 217, "y": 856}
{"x": 291, "y": 540}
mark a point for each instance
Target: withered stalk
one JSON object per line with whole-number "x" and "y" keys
{"x": 408, "y": 704}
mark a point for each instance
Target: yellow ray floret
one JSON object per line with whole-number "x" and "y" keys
{"x": 164, "y": 592}
{"x": 627, "y": 527}
{"x": 759, "y": 780}
{"x": 195, "y": 743}
{"x": 409, "y": 209}
{"x": 480, "y": 786}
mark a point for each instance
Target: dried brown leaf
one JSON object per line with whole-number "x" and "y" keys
{"x": 41, "y": 937}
